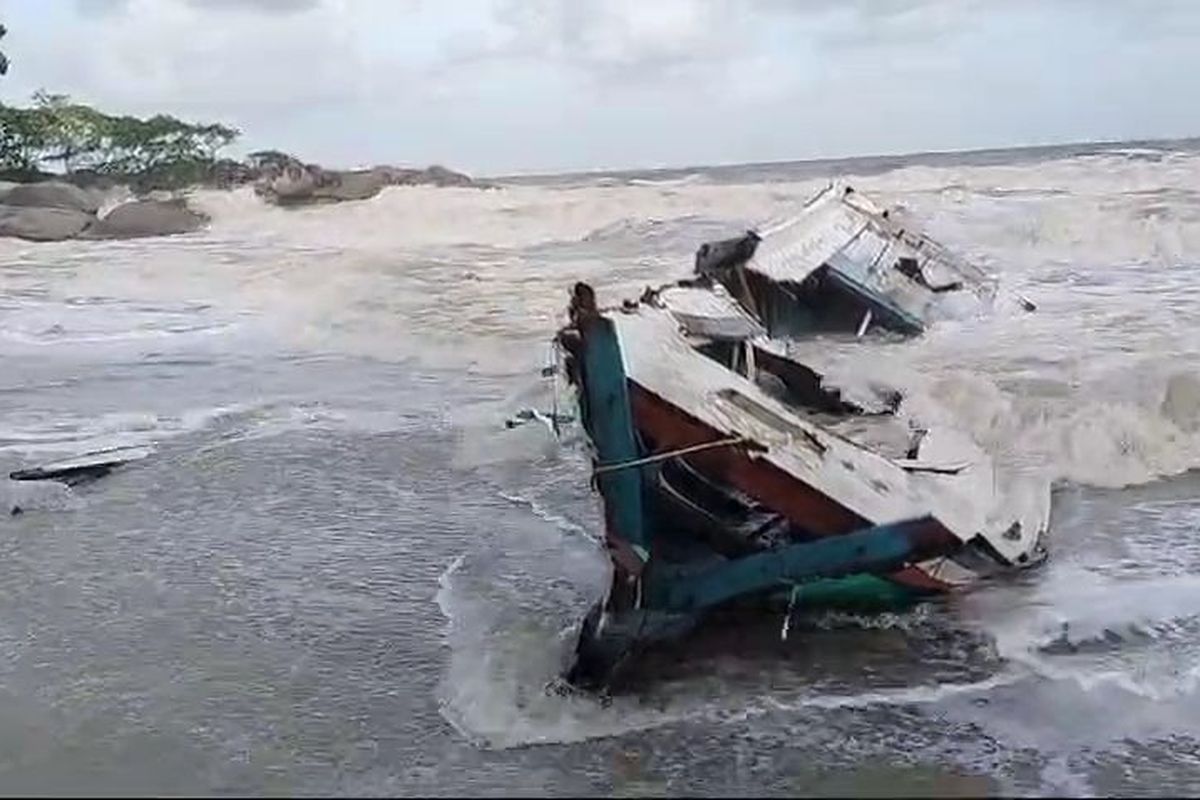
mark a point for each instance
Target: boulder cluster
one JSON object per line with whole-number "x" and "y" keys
{"x": 52, "y": 211}
{"x": 287, "y": 181}
{"x": 56, "y": 210}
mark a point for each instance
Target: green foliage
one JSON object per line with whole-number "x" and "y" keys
{"x": 162, "y": 151}
{"x": 23, "y": 138}
{"x": 74, "y": 137}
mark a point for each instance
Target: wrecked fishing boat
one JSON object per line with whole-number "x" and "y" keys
{"x": 731, "y": 477}
{"x": 844, "y": 263}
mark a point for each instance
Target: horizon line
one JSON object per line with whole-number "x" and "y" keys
{"x": 1192, "y": 140}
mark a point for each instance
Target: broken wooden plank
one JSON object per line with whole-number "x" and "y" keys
{"x": 81, "y": 469}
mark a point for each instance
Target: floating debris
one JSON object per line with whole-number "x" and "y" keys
{"x": 82, "y": 469}
{"x": 549, "y": 419}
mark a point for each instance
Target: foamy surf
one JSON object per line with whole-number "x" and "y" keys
{"x": 1047, "y": 389}
{"x": 502, "y": 687}
{"x": 542, "y": 512}
{"x": 1100, "y": 632}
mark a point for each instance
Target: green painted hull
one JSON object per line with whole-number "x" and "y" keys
{"x": 857, "y": 593}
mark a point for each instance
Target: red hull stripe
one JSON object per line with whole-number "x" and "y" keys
{"x": 669, "y": 427}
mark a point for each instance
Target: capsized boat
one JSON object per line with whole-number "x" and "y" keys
{"x": 845, "y": 263}
{"x": 730, "y": 476}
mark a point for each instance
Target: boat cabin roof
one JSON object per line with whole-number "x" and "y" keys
{"x": 842, "y": 227}
{"x": 706, "y": 313}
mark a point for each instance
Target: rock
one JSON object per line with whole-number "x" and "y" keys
{"x": 308, "y": 184}
{"x": 226, "y": 173}
{"x": 435, "y": 175}
{"x": 52, "y": 194}
{"x": 42, "y": 224}
{"x": 91, "y": 181}
{"x": 440, "y": 176}
{"x": 147, "y": 218}
{"x": 341, "y": 186}
{"x": 268, "y": 161}
{"x": 287, "y": 181}
{"x": 284, "y": 182}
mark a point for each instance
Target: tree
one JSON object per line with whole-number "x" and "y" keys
{"x": 23, "y": 139}
{"x": 160, "y": 151}
{"x": 73, "y": 133}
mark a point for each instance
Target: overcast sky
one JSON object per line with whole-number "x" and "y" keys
{"x": 494, "y": 86}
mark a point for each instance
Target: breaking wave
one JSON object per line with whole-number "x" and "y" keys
{"x": 1099, "y": 386}
{"x": 1085, "y": 612}
{"x": 1072, "y": 434}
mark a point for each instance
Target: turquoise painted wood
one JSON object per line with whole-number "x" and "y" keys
{"x": 609, "y": 420}
{"x": 880, "y": 549}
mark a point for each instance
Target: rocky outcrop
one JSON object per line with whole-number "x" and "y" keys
{"x": 147, "y": 218}
{"x": 52, "y": 194}
{"x": 286, "y": 181}
{"x": 310, "y": 184}
{"x": 54, "y": 208}
{"x": 42, "y": 224}
{"x": 433, "y": 176}
{"x": 54, "y": 212}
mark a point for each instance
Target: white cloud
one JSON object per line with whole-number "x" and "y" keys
{"x": 280, "y": 6}
{"x": 608, "y": 34}
{"x": 501, "y": 84}
{"x": 101, "y": 7}
{"x": 151, "y": 53}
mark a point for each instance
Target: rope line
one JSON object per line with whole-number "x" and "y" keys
{"x": 695, "y": 448}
